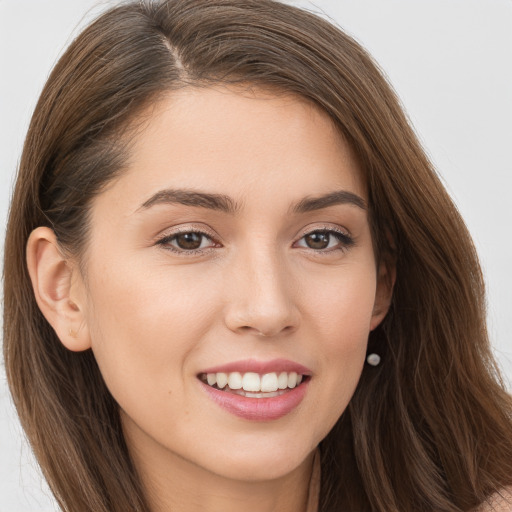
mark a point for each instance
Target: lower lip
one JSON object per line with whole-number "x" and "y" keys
{"x": 258, "y": 409}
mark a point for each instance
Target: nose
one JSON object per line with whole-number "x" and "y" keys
{"x": 261, "y": 299}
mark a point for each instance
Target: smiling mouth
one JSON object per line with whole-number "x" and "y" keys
{"x": 254, "y": 385}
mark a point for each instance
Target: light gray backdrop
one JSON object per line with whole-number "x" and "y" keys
{"x": 449, "y": 60}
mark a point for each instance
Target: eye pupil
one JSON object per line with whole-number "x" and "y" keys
{"x": 317, "y": 240}
{"x": 189, "y": 240}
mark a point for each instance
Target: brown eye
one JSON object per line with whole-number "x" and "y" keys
{"x": 189, "y": 241}
{"x": 318, "y": 239}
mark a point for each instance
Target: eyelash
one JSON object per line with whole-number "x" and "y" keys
{"x": 345, "y": 241}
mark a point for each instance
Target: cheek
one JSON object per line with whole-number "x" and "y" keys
{"x": 340, "y": 317}
{"x": 145, "y": 326}
{"x": 341, "y": 305}
{"x": 155, "y": 305}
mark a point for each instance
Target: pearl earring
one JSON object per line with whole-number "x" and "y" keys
{"x": 373, "y": 359}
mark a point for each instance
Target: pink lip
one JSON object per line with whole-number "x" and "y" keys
{"x": 261, "y": 367}
{"x": 258, "y": 409}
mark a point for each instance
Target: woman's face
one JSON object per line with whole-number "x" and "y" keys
{"x": 235, "y": 246}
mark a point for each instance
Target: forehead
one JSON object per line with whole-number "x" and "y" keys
{"x": 246, "y": 143}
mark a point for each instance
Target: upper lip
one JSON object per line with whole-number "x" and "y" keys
{"x": 260, "y": 367}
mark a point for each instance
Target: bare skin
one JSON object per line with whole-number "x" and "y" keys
{"x": 282, "y": 268}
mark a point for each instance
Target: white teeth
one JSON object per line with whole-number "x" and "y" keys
{"x": 235, "y": 380}
{"x": 269, "y": 382}
{"x": 251, "y": 382}
{"x": 222, "y": 379}
{"x": 254, "y": 384}
{"x": 282, "y": 381}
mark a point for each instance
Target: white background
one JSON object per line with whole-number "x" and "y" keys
{"x": 449, "y": 60}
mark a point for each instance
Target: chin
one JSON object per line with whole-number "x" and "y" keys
{"x": 261, "y": 461}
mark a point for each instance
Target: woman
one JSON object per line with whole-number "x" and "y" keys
{"x": 244, "y": 284}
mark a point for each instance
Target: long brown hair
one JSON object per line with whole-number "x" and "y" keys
{"x": 429, "y": 429}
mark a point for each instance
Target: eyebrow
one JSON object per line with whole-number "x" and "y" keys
{"x": 219, "y": 202}
{"x": 226, "y": 204}
{"x": 309, "y": 204}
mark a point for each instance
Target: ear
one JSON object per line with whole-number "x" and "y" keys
{"x": 58, "y": 289}
{"x": 386, "y": 277}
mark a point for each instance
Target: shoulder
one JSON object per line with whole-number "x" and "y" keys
{"x": 499, "y": 502}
